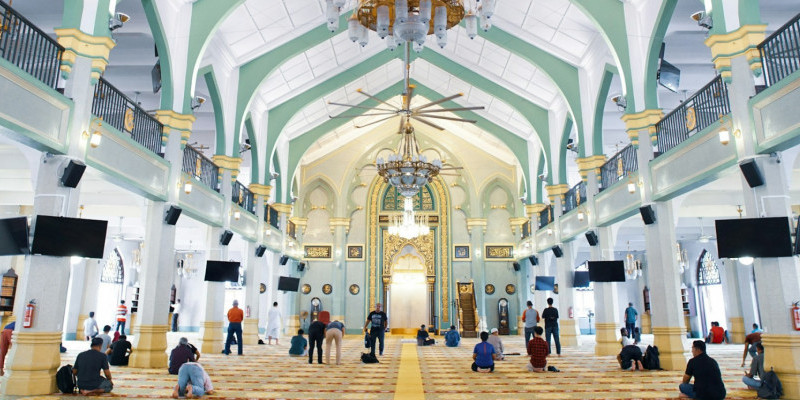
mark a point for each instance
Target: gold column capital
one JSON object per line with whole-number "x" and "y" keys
{"x": 518, "y": 221}
{"x": 536, "y": 208}
{"x": 591, "y": 163}
{"x": 646, "y": 119}
{"x": 477, "y": 222}
{"x": 260, "y": 190}
{"x": 556, "y": 190}
{"x": 282, "y": 208}
{"x": 77, "y": 43}
{"x": 743, "y": 41}
{"x": 343, "y": 222}
{"x": 177, "y": 121}
{"x": 228, "y": 163}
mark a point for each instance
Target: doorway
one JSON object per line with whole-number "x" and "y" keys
{"x": 408, "y": 294}
{"x": 712, "y": 301}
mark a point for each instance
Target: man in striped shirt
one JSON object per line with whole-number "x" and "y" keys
{"x": 122, "y": 313}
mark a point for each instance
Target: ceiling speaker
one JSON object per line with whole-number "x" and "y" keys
{"x": 172, "y": 215}
{"x": 260, "y": 250}
{"x": 591, "y": 237}
{"x": 284, "y": 259}
{"x": 225, "y": 238}
{"x": 73, "y": 173}
{"x": 516, "y": 266}
{"x": 648, "y": 214}
{"x": 301, "y": 266}
{"x": 557, "y": 251}
{"x": 534, "y": 260}
{"x": 751, "y": 173}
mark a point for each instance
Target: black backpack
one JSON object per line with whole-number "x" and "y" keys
{"x": 65, "y": 380}
{"x": 771, "y": 387}
{"x": 651, "y": 360}
{"x": 368, "y": 358}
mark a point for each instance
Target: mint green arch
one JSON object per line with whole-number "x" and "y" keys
{"x": 156, "y": 27}
{"x": 659, "y": 31}
{"x": 276, "y": 166}
{"x": 73, "y": 14}
{"x": 537, "y": 183}
{"x": 599, "y": 110}
{"x": 488, "y": 189}
{"x": 299, "y": 145}
{"x": 207, "y": 73}
{"x": 254, "y": 165}
{"x": 562, "y": 165}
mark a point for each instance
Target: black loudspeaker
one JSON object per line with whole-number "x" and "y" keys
{"x": 283, "y": 260}
{"x": 557, "y": 251}
{"x": 751, "y": 173}
{"x": 260, "y": 250}
{"x": 301, "y": 266}
{"x": 516, "y": 266}
{"x": 648, "y": 214}
{"x": 591, "y": 237}
{"x": 172, "y": 215}
{"x": 73, "y": 173}
{"x": 533, "y": 260}
{"x": 225, "y": 238}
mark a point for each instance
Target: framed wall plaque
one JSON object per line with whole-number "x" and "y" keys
{"x": 327, "y": 288}
{"x": 461, "y": 252}
{"x": 306, "y": 288}
{"x": 499, "y": 252}
{"x": 355, "y": 252}
{"x": 511, "y": 289}
{"x": 354, "y": 289}
{"x": 489, "y": 289}
{"x": 318, "y": 252}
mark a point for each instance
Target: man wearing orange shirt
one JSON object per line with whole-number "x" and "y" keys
{"x": 235, "y": 317}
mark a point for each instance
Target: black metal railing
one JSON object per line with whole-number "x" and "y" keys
{"x": 291, "y": 230}
{"x": 546, "y": 216}
{"x": 619, "y": 166}
{"x": 780, "y": 52}
{"x": 272, "y": 217}
{"x": 200, "y": 167}
{"x": 122, "y": 113}
{"x": 704, "y": 108}
{"x": 243, "y": 197}
{"x": 575, "y": 196}
{"x": 526, "y": 230}
{"x": 28, "y": 47}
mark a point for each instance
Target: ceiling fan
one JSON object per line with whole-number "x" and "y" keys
{"x": 703, "y": 237}
{"x": 423, "y": 113}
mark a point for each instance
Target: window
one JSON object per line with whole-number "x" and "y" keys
{"x": 113, "y": 271}
{"x": 707, "y": 271}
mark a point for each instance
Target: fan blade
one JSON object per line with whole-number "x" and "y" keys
{"x": 450, "y": 110}
{"x": 374, "y": 98}
{"x": 440, "y": 101}
{"x": 375, "y": 122}
{"x": 363, "y": 115}
{"x": 450, "y": 168}
{"x": 472, "y": 121}
{"x": 361, "y": 107}
{"x": 441, "y": 174}
{"x": 429, "y": 123}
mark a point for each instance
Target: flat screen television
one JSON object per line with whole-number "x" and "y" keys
{"x": 754, "y": 237}
{"x": 288, "y": 284}
{"x": 606, "y": 271}
{"x": 222, "y": 271}
{"x": 545, "y": 283}
{"x": 797, "y": 237}
{"x": 67, "y": 237}
{"x": 581, "y": 279}
{"x": 14, "y": 236}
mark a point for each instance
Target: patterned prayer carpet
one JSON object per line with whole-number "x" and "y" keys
{"x": 266, "y": 372}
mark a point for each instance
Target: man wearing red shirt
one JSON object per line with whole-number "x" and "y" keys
{"x": 537, "y": 349}
{"x": 717, "y": 334}
{"x": 235, "y": 317}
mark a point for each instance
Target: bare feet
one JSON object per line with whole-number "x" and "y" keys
{"x": 175, "y": 393}
{"x": 189, "y": 393}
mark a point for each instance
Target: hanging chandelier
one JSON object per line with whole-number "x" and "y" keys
{"x": 407, "y": 170}
{"x": 408, "y": 225}
{"x": 633, "y": 266}
{"x": 399, "y": 21}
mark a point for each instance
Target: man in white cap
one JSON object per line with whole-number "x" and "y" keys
{"x": 494, "y": 340}
{"x": 235, "y": 317}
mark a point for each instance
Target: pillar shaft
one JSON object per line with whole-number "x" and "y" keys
{"x": 478, "y": 267}
{"x": 605, "y": 298}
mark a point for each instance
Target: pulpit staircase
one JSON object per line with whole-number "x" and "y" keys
{"x": 467, "y": 310}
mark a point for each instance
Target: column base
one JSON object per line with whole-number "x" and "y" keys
{"x": 647, "y": 324}
{"x": 606, "y": 336}
{"x": 131, "y": 325}
{"x": 150, "y": 346}
{"x": 31, "y": 364}
{"x": 211, "y": 341}
{"x": 669, "y": 341}
{"x": 737, "y": 330}
{"x": 250, "y": 331}
{"x": 293, "y": 325}
{"x": 782, "y": 352}
{"x": 569, "y": 333}
{"x": 79, "y": 329}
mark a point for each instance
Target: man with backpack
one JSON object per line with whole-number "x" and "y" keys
{"x": 87, "y": 368}
{"x": 756, "y": 369}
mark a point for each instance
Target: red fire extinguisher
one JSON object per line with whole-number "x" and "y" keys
{"x": 30, "y": 310}
{"x": 796, "y": 315}
{"x": 571, "y": 313}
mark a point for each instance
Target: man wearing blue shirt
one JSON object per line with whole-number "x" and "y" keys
{"x": 483, "y": 355}
{"x": 630, "y": 319}
{"x": 452, "y": 338}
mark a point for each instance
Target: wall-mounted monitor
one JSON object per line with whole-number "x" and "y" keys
{"x": 606, "y": 271}
{"x": 14, "y": 236}
{"x": 222, "y": 271}
{"x": 545, "y": 283}
{"x": 288, "y": 284}
{"x": 67, "y": 237}
{"x": 754, "y": 237}
{"x": 581, "y": 279}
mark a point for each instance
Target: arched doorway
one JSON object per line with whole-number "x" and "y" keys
{"x": 408, "y": 299}
{"x": 712, "y": 300}
{"x": 111, "y": 289}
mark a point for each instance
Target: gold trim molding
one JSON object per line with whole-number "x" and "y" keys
{"x": 282, "y": 208}
{"x": 591, "y": 163}
{"x": 477, "y": 222}
{"x": 531, "y": 209}
{"x": 743, "y": 41}
{"x": 646, "y": 119}
{"x": 260, "y": 190}
{"x": 177, "y": 121}
{"x": 77, "y": 43}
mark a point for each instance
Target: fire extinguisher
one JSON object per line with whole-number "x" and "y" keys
{"x": 30, "y": 310}
{"x": 247, "y": 312}
{"x": 796, "y": 315}
{"x": 571, "y": 313}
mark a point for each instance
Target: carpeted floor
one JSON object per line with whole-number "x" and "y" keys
{"x": 265, "y": 372}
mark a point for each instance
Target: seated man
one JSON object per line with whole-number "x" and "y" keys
{"x": 182, "y": 353}
{"x": 756, "y": 369}
{"x": 538, "y": 350}
{"x": 717, "y": 334}
{"x": 631, "y": 358}
{"x": 120, "y": 351}
{"x": 708, "y": 383}
{"x": 750, "y": 342}
{"x": 452, "y": 338}
{"x": 422, "y": 337}
{"x": 494, "y": 340}
{"x": 756, "y": 329}
{"x": 483, "y": 355}
{"x": 87, "y": 369}
{"x": 193, "y": 381}
{"x": 299, "y": 345}
{"x": 624, "y": 340}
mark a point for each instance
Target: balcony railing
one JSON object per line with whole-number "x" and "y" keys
{"x": 272, "y": 217}
{"x": 780, "y": 52}
{"x": 200, "y": 167}
{"x": 243, "y": 197}
{"x": 28, "y": 47}
{"x": 704, "y": 108}
{"x": 526, "y": 230}
{"x": 122, "y": 113}
{"x": 546, "y": 216}
{"x": 619, "y": 166}
{"x": 575, "y": 196}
